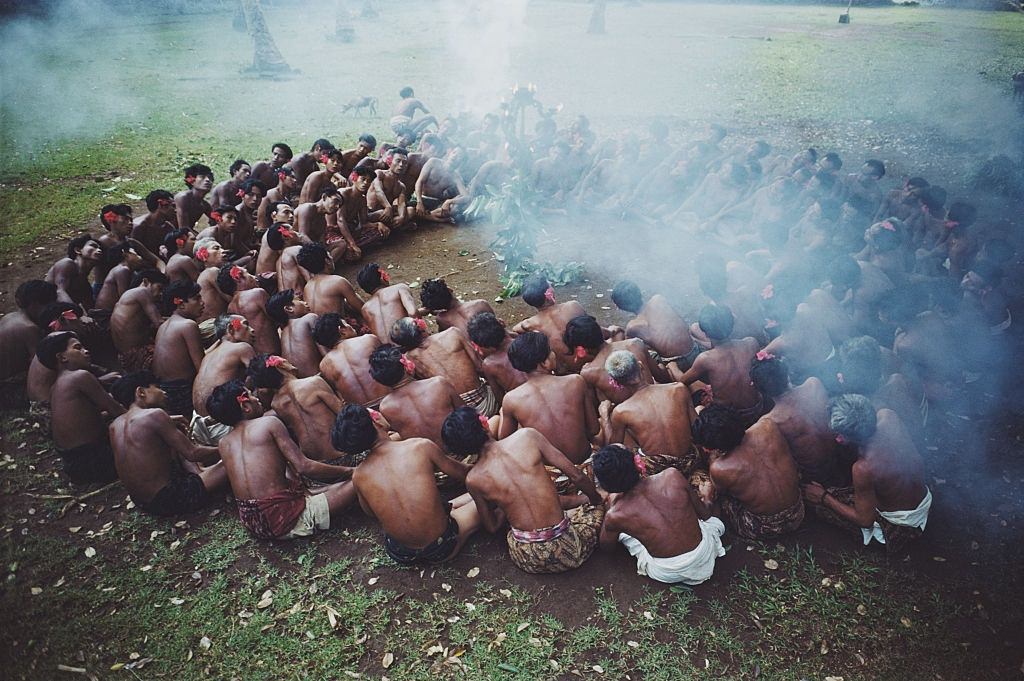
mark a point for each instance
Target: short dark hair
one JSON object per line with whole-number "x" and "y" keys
{"x": 853, "y": 417}
{"x": 150, "y": 275}
{"x": 35, "y": 292}
{"x": 369, "y": 139}
{"x": 405, "y": 92}
{"x": 369, "y": 277}
{"x": 583, "y": 331}
{"x": 259, "y": 375}
{"x": 53, "y": 311}
{"x": 627, "y": 296}
{"x": 277, "y": 304}
{"x": 323, "y": 143}
{"x": 962, "y": 213}
{"x": 716, "y": 321}
{"x": 117, "y": 208}
{"x": 327, "y": 329}
{"x": 435, "y": 294}
{"x": 52, "y": 345}
{"x": 183, "y": 289}
{"x": 253, "y": 183}
{"x": 123, "y": 389}
{"x": 614, "y": 468}
{"x": 486, "y": 330}
{"x": 386, "y": 365}
{"x": 770, "y": 376}
{"x": 283, "y": 147}
{"x": 718, "y": 426}
{"x": 274, "y": 238}
{"x": 222, "y": 404}
{"x": 329, "y": 190}
{"x": 78, "y": 243}
{"x": 462, "y": 432}
{"x": 170, "y": 241}
{"x": 195, "y": 170}
{"x": 527, "y": 351}
{"x": 154, "y": 197}
{"x": 877, "y": 166}
{"x": 534, "y": 288}
{"x": 225, "y": 282}
{"x": 845, "y": 271}
{"x": 860, "y": 358}
{"x": 833, "y": 158}
{"x": 353, "y": 431}
{"x": 312, "y": 257}
{"x": 237, "y": 165}
{"x": 406, "y": 333}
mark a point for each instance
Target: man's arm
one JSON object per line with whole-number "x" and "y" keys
{"x": 617, "y": 428}
{"x": 695, "y": 373}
{"x": 181, "y": 210}
{"x": 349, "y": 294}
{"x": 553, "y": 457}
{"x": 591, "y": 422}
{"x": 180, "y": 443}
{"x": 63, "y": 273}
{"x": 490, "y": 517}
{"x": 300, "y": 462}
{"x": 149, "y": 307}
{"x": 609, "y": 537}
{"x": 454, "y": 469}
{"x": 330, "y": 398}
{"x": 507, "y": 423}
{"x": 90, "y": 386}
{"x": 865, "y": 502}
{"x": 194, "y": 342}
{"x": 408, "y": 302}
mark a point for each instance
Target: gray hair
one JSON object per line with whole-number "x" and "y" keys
{"x": 622, "y": 366}
{"x": 853, "y": 417}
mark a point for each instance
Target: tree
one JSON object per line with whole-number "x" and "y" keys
{"x": 266, "y": 57}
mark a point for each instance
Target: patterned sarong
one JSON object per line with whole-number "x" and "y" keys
{"x": 693, "y": 459}
{"x": 482, "y": 399}
{"x": 752, "y": 526}
{"x": 566, "y": 551}
{"x": 274, "y": 516}
{"x": 136, "y": 359}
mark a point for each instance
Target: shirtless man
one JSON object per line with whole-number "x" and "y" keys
{"x": 311, "y": 218}
{"x": 258, "y": 453}
{"x": 56, "y": 317}
{"x": 210, "y": 256}
{"x": 561, "y": 408}
{"x": 307, "y": 163}
{"x": 227, "y": 192}
{"x": 448, "y": 310}
{"x": 718, "y": 192}
{"x": 266, "y": 171}
{"x": 387, "y": 302}
{"x": 804, "y": 341}
{"x": 71, "y": 274}
{"x": 551, "y": 317}
{"x": 413, "y": 408}
{"x": 122, "y": 261}
{"x": 657, "y": 324}
{"x": 658, "y": 519}
{"x": 450, "y": 354}
{"x": 865, "y": 184}
{"x": 296, "y": 322}
{"x": 191, "y": 204}
{"x": 890, "y": 500}
{"x": 325, "y": 291}
{"x": 20, "y": 331}
{"x": 491, "y": 339}
{"x": 80, "y": 406}
{"x": 116, "y": 218}
{"x": 386, "y": 199}
{"x": 357, "y": 230}
{"x": 510, "y": 483}
{"x": 307, "y": 406}
{"x": 247, "y": 202}
{"x": 395, "y": 485}
{"x": 754, "y": 477}
{"x": 346, "y": 362}
{"x": 329, "y": 176}
{"x": 351, "y": 157}
{"x": 224, "y": 228}
{"x": 136, "y": 318}
{"x": 226, "y": 360}
{"x": 155, "y": 461}
{"x": 550, "y": 177}
{"x": 279, "y": 237}
{"x": 249, "y": 300}
{"x": 800, "y": 415}
{"x": 286, "y": 191}
{"x": 431, "y": 146}
{"x": 653, "y": 420}
{"x": 177, "y": 249}
{"x": 440, "y": 187}
{"x": 403, "y": 118}
{"x": 178, "y": 347}
{"x": 590, "y": 351}
{"x": 151, "y": 228}
{"x": 725, "y": 368}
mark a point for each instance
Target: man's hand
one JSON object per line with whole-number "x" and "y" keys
{"x": 814, "y": 493}
{"x": 706, "y": 490}
{"x": 384, "y": 230}
{"x": 353, "y": 252}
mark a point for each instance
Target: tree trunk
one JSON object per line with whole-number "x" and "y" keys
{"x": 266, "y": 57}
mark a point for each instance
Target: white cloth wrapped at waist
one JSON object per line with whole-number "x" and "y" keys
{"x": 692, "y": 567}
{"x": 916, "y": 518}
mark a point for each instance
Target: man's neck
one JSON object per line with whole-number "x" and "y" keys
{"x": 198, "y": 193}
{"x": 84, "y": 266}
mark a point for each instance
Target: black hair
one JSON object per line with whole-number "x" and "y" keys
{"x": 860, "y": 359}
{"x": 614, "y": 468}
{"x": 327, "y": 329}
{"x": 583, "y": 331}
{"x": 716, "y": 321}
{"x": 769, "y": 376}
{"x": 435, "y": 294}
{"x": 406, "y": 333}
{"x": 877, "y": 166}
{"x": 312, "y": 257}
{"x": 268, "y": 282}
{"x": 991, "y": 273}
{"x": 369, "y": 277}
{"x": 917, "y": 182}
{"x": 225, "y": 282}
{"x": 118, "y": 208}
{"x": 329, "y": 190}
{"x": 237, "y": 165}
{"x": 813, "y": 153}
{"x": 962, "y": 213}
{"x": 52, "y": 345}
{"x": 259, "y": 375}
{"x": 844, "y": 271}
{"x": 195, "y": 170}
{"x": 627, "y": 296}
{"x": 78, "y": 243}
{"x": 336, "y": 155}
{"x": 435, "y": 141}
{"x": 150, "y": 275}
{"x": 353, "y": 431}
{"x": 369, "y": 139}
{"x": 253, "y": 183}
{"x": 170, "y": 241}
{"x": 534, "y": 288}
{"x": 405, "y": 92}
{"x": 277, "y": 304}
{"x": 225, "y": 208}
{"x": 53, "y": 311}
{"x": 902, "y": 305}
{"x": 274, "y": 239}
{"x": 153, "y": 198}
{"x": 123, "y": 389}
{"x": 222, "y": 404}
{"x": 398, "y": 151}
{"x": 885, "y": 240}
{"x": 934, "y": 197}
{"x": 833, "y": 158}
{"x": 35, "y": 292}
{"x": 462, "y": 432}
{"x": 486, "y": 330}
{"x": 386, "y": 365}
{"x": 718, "y": 426}
{"x": 527, "y": 351}
{"x": 324, "y": 144}
{"x": 283, "y": 147}
{"x": 183, "y": 289}
{"x": 365, "y": 169}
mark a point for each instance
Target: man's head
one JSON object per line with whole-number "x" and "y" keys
{"x": 265, "y": 374}
{"x": 960, "y": 215}
{"x": 85, "y": 246}
{"x": 356, "y": 428}
{"x": 399, "y": 160}
{"x": 719, "y": 427}
{"x": 240, "y": 171}
{"x": 372, "y": 277}
{"x": 873, "y": 170}
{"x": 432, "y": 145}
{"x": 769, "y": 374}
{"x": 321, "y": 146}
{"x": 409, "y": 332}
{"x": 178, "y": 241}
{"x": 583, "y": 335}
{"x": 330, "y": 329}
{"x": 831, "y": 162}
{"x": 160, "y": 202}
{"x": 362, "y": 177}
{"x": 389, "y": 366}
{"x": 314, "y": 258}
{"x": 280, "y": 154}
{"x": 435, "y": 295}
{"x": 331, "y": 198}
{"x": 232, "y": 279}
{"x": 61, "y": 316}
{"x": 62, "y": 351}
{"x": 614, "y": 469}
{"x": 622, "y": 367}
{"x": 141, "y": 388}
{"x": 886, "y": 235}
{"x": 627, "y": 296}
{"x": 537, "y": 292}
{"x": 531, "y": 351}
{"x": 464, "y": 432}
{"x": 208, "y": 252}
{"x": 233, "y": 328}
{"x": 232, "y": 403}
{"x": 200, "y": 177}
{"x": 716, "y": 321}
{"x": 225, "y": 217}
{"x": 251, "y": 193}
{"x": 845, "y": 274}
{"x": 183, "y": 297}
{"x": 117, "y": 218}
{"x": 284, "y": 306}
{"x": 153, "y": 280}
{"x": 286, "y": 179}
{"x": 281, "y": 235}
{"x": 34, "y": 295}
{"x": 852, "y": 418}
{"x": 406, "y": 92}
{"x": 486, "y": 330}
{"x": 282, "y": 211}
{"x": 982, "y": 278}
{"x": 367, "y": 143}
{"x": 860, "y": 359}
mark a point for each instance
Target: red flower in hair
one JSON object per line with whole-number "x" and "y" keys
{"x": 235, "y": 272}
{"x": 281, "y": 174}
{"x": 69, "y": 315}
{"x": 420, "y": 324}
{"x": 640, "y": 464}
{"x": 242, "y": 398}
{"x": 887, "y": 226}
{"x": 763, "y": 355}
{"x": 110, "y": 216}
{"x": 614, "y": 384}
{"x": 240, "y": 193}
{"x": 770, "y": 323}
{"x": 236, "y": 323}
{"x": 476, "y": 348}
{"x": 323, "y": 158}
{"x": 176, "y": 300}
{"x": 484, "y": 422}
{"x": 580, "y": 353}
{"x": 384, "y": 276}
{"x": 952, "y": 224}
{"x": 215, "y": 216}
{"x": 410, "y": 366}
{"x": 768, "y": 291}
{"x": 179, "y": 242}
{"x": 549, "y": 295}
{"x": 202, "y": 254}
{"x": 163, "y": 202}
{"x": 189, "y": 179}
{"x": 275, "y": 361}
{"x": 353, "y": 176}
{"x": 286, "y": 233}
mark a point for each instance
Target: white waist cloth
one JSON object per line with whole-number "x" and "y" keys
{"x": 692, "y": 567}
{"x": 916, "y": 518}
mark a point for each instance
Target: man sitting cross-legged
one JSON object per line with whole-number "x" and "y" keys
{"x": 659, "y": 519}
{"x": 325, "y": 291}
{"x": 387, "y": 302}
{"x": 155, "y": 460}
{"x": 889, "y": 500}
{"x": 227, "y": 359}
{"x": 447, "y": 309}
{"x": 755, "y": 479}
{"x": 258, "y": 453}
{"x": 657, "y": 324}
{"x": 654, "y": 419}
{"x": 249, "y": 300}
{"x": 395, "y": 484}
{"x": 346, "y": 362}
{"x": 509, "y": 483}
{"x": 413, "y": 408}
{"x": 551, "y": 318}
{"x": 178, "y": 347}
{"x": 135, "y": 320}
{"x": 590, "y": 351}
{"x": 298, "y": 346}
{"x": 491, "y": 339}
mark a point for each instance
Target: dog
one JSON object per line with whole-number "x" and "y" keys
{"x": 355, "y": 105}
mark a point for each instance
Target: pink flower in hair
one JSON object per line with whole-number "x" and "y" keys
{"x": 549, "y": 295}
{"x": 275, "y": 361}
{"x": 420, "y": 324}
{"x": 484, "y": 422}
{"x": 840, "y": 378}
{"x": 581, "y": 352}
{"x": 614, "y": 384}
{"x": 235, "y": 272}
{"x": 887, "y": 225}
{"x": 768, "y": 291}
{"x": 410, "y": 366}
{"x": 763, "y": 355}
{"x": 236, "y": 323}
{"x": 640, "y": 464}
{"x": 202, "y": 254}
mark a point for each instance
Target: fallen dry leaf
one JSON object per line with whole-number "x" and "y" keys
{"x": 771, "y": 564}
{"x": 905, "y": 622}
{"x": 90, "y": 552}
{"x": 649, "y": 615}
{"x": 505, "y": 592}
{"x": 372, "y": 580}
{"x": 75, "y": 530}
{"x": 36, "y": 591}
{"x": 446, "y": 587}
{"x": 473, "y": 572}
{"x": 522, "y": 627}
{"x": 862, "y": 610}
{"x": 388, "y": 660}
{"x": 205, "y": 643}
{"x": 598, "y": 668}
{"x": 632, "y": 644}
